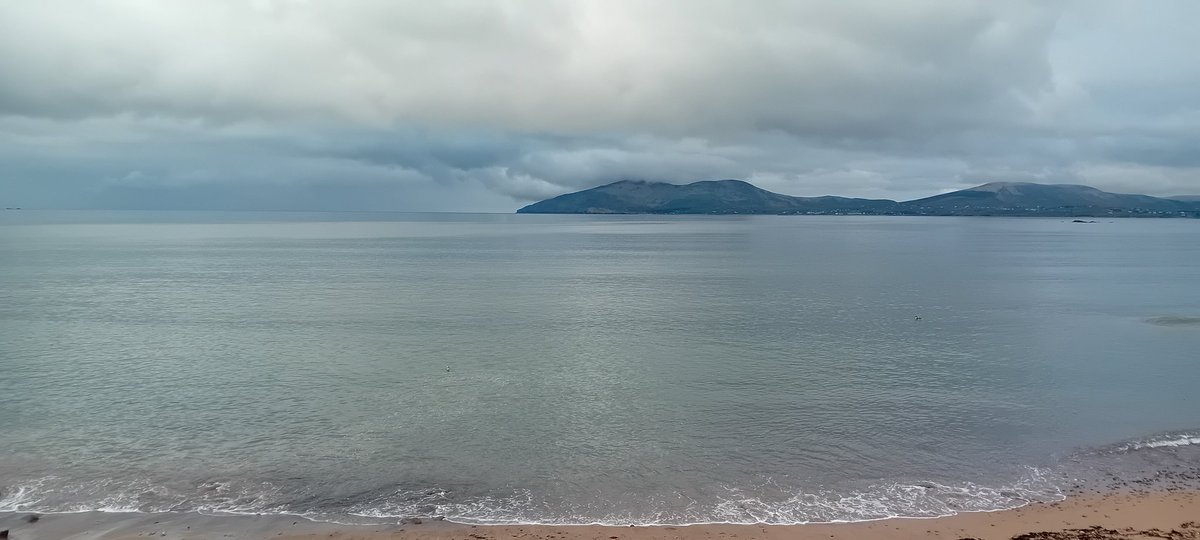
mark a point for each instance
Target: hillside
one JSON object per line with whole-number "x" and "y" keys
{"x": 1049, "y": 199}
{"x": 706, "y": 197}
{"x": 738, "y": 197}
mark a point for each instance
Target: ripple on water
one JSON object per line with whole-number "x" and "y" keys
{"x": 1174, "y": 320}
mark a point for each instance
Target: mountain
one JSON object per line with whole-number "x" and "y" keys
{"x": 738, "y": 197}
{"x": 707, "y": 197}
{"x": 1186, "y": 198}
{"x": 1024, "y": 198}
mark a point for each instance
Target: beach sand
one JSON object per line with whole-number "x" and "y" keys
{"x": 1163, "y": 515}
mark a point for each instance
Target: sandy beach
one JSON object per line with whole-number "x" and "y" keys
{"x": 1171, "y": 515}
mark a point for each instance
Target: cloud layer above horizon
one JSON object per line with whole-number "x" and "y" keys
{"x": 487, "y": 105}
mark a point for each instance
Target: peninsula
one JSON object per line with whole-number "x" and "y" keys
{"x": 739, "y": 197}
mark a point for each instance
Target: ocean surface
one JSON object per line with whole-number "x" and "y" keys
{"x": 590, "y": 369}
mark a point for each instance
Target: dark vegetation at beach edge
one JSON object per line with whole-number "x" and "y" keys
{"x": 738, "y": 197}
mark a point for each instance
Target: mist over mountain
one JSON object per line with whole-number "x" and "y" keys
{"x": 739, "y": 197}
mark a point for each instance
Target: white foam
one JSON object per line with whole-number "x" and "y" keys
{"x": 768, "y": 503}
{"x": 1185, "y": 439}
{"x": 783, "y": 505}
{"x": 23, "y": 496}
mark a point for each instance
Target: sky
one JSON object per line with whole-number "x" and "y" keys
{"x": 489, "y": 105}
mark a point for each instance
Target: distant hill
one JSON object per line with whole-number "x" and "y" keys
{"x": 738, "y": 197}
{"x": 1042, "y": 199}
{"x": 707, "y": 197}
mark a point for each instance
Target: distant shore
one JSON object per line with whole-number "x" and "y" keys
{"x": 1163, "y": 514}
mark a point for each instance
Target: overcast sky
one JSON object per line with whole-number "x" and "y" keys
{"x": 488, "y": 105}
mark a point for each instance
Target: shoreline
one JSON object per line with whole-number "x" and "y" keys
{"x": 1173, "y": 514}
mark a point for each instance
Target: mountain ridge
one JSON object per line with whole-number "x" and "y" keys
{"x": 731, "y": 196}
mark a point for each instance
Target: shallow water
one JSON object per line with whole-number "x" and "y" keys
{"x": 616, "y": 369}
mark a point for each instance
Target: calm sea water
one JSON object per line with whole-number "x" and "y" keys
{"x": 566, "y": 369}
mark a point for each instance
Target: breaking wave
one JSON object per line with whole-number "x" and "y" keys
{"x": 1166, "y": 461}
{"x": 1166, "y": 440}
{"x": 767, "y": 504}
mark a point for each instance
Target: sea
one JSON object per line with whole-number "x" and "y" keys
{"x": 562, "y": 369}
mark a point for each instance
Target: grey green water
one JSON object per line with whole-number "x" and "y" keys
{"x": 570, "y": 369}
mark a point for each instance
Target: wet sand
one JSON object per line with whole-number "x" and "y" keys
{"x": 1163, "y": 515}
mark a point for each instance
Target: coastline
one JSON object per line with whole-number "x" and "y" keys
{"x": 1173, "y": 514}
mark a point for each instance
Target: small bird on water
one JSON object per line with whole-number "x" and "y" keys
{"x": 447, "y": 369}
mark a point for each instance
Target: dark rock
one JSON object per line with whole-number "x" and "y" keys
{"x": 4, "y": 534}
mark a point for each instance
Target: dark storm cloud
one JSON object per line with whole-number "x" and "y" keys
{"x": 481, "y": 105}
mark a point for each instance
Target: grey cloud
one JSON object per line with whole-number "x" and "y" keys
{"x": 483, "y": 105}
{"x": 845, "y": 68}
